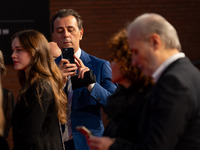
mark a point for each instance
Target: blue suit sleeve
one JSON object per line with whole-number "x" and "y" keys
{"x": 105, "y": 87}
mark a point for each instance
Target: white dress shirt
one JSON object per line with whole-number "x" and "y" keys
{"x": 165, "y": 64}
{"x": 67, "y": 135}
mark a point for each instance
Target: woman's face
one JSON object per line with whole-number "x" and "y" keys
{"x": 117, "y": 76}
{"x": 21, "y": 57}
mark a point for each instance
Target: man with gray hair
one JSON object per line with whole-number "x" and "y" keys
{"x": 170, "y": 118}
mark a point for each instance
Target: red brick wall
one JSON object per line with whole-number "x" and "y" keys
{"x": 103, "y": 18}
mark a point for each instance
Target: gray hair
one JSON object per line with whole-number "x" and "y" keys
{"x": 147, "y": 24}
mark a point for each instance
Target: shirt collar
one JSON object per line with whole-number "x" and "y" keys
{"x": 78, "y": 53}
{"x": 165, "y": 64}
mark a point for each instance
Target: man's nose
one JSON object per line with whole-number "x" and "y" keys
{"x": 66, "y": 33}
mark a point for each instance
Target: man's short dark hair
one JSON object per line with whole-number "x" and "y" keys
{"x": 65, "y": 13}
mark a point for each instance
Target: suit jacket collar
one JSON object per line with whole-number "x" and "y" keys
{"x": 183, "y": 60}
{"x": 87, "y": 62}
{"x": 86, "y": 59}
{"x": 156, "y": 75}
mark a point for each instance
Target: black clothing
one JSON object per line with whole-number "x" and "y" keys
{"x": 8, "y": 108}
{"x": 69, "y": 145}
{"x": 123, "y": 109}
{"x": 3, "y": 144}
{"x": 35, "y": 122}
{"x": 170, "y": 119}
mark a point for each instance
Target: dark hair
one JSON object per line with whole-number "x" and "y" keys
{"x": 65, "y": 13}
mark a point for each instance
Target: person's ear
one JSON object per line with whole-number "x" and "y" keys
{"x": 81, "y": 34}
{"x": 155, "y": 41}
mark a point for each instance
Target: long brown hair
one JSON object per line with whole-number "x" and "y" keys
{"x": 41, "y": 67}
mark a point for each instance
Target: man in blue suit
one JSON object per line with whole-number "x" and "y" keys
{"x": 84, "y": 103}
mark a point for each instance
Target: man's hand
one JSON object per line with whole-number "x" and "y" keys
{"x": 81, "y": 67}
{"x": 67, "y": 69}
{"x": 100, "y": 143}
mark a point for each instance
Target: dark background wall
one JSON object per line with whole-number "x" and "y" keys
{"x": 103, "y": 18}
{"x": 19, "y": 15}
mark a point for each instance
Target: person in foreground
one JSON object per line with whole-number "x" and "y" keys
{"x": 125, "y": 105}
{"x": 84, "y": 103}
{"x": 170, "y": 118}
{"x": 42, "y": 102}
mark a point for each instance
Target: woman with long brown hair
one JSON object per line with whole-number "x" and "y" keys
{"x": 42, "y": 102}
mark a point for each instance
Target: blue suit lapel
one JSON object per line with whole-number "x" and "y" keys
{"x": 85, "y": 59}
{"x": 87, "y": 62}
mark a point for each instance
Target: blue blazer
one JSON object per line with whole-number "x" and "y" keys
{"x": 86, "y": 106}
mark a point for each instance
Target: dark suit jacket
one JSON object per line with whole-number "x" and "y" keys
{"x": 170, "y": 119}
{"x": 35, "y": 125}
{"x": 86, "y": 106}
{"x": 123, "y": 109}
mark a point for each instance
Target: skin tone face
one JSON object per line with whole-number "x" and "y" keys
{"x": 21, "y": 57}
{"x": 117, "y": 76}
{"x": 116, "y": 73}
{"x": 66, "y": 33}
{"x": 54, "y": 49}
{"x": 142, "y": 55}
